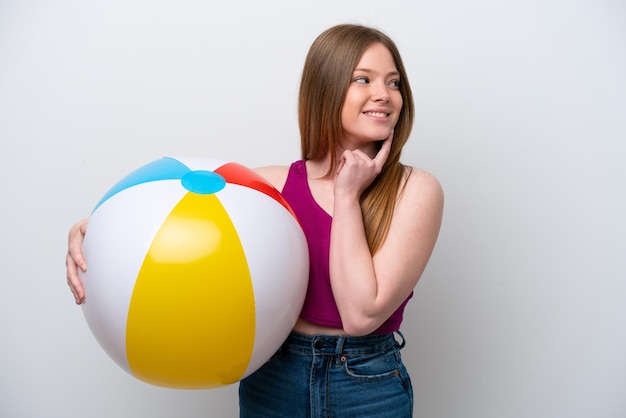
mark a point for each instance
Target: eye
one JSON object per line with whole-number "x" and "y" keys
{"x": 361, "y": 80}
{"x": 394, "y": 84}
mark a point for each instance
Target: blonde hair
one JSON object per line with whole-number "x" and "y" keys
{"x": 325, "y": 79}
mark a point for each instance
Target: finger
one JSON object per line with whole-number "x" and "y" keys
{"x": 75, "y": 244}
{"x": 75, "y": 260}
{"x": 76, "y": 254}
{"x": 83, "y": 227}
{"x": 385, "y": 148}
{"x": 347, "y": 158}
{"x": 73, "y": 281}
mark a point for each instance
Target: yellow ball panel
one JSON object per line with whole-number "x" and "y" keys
{"x": 191, "y": 320}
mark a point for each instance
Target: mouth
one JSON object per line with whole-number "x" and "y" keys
{"x": 377, "y": 114}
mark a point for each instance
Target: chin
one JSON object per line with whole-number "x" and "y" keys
{"x": 383, "y": 135}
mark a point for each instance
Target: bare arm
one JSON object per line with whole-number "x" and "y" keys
{"x": 368, "y": 289}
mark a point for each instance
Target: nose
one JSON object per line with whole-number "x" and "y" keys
{"x": 380, "y": 93}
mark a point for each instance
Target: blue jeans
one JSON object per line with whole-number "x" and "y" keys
{"x": 330, "y": 376}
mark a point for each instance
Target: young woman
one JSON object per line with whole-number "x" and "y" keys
{"x": 371, "y": 224}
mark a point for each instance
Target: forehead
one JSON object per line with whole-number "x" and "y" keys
{"x": 376, "y": 57}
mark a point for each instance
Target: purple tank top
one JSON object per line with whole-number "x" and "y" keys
{"x": 319, "y": 305}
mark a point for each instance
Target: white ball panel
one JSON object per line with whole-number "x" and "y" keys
{"x": 123, "y": 229}
{"x": 277, "y": 256}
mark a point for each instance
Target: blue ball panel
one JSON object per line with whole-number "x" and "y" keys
{"x": 163, "y": 169}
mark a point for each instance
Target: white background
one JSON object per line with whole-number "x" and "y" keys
{"x": 521, "y": 114}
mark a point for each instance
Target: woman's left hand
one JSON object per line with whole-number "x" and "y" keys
{"x": 357, "y": 170}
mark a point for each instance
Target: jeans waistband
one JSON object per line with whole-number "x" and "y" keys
{"x": 340, "y": 344}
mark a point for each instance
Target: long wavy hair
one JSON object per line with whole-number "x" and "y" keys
{"x": 328, "y": 69}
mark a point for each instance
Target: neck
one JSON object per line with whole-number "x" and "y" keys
{"x": 319, "y": 167}
{"x": 369, "y": 148}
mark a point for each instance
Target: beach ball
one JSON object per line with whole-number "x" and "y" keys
{"x": 197, "y": 272}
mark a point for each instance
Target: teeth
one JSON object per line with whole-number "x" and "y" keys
{"x": 376, "y": 114}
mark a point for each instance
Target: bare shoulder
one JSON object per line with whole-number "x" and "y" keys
{"x": 421, "y": 186}
{"x": 416, "y": 220}
{"x": 421, "y": 201}
{"x": 275, "y": 174}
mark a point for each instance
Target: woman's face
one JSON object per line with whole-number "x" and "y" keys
{"x": 373, "y": 101}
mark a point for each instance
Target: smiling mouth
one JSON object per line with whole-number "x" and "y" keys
{"x": 377, "y": 114}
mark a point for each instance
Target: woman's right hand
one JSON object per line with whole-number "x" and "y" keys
{"x": 75, "y": 259}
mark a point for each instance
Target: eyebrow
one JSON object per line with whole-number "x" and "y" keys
{"x": 367, "y": 70}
